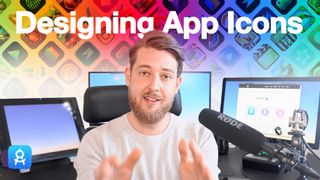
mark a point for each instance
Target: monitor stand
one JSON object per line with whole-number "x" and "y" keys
{"x": 261, "y": 162}
{"x": 22, "y": 171}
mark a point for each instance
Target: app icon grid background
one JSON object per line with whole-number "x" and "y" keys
{"x": 62, "y": 69}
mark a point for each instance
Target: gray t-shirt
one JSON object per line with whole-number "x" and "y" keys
{"x": 160, "y": 153}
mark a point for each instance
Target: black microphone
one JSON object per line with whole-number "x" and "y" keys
{"x": 247, "y": 138}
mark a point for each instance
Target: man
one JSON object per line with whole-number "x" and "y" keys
{"x": 149, "y": 142}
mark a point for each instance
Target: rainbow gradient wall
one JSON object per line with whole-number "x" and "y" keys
{"x": 53, "y": 65}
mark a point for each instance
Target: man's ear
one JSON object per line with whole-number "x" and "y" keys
{"x": 178, "y": 83}
{"x": 127, "y": 73}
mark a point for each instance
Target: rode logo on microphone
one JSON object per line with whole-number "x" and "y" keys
{"x": 230, "y": 121}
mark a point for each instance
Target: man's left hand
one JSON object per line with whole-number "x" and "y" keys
{"x": 192, "y": 164}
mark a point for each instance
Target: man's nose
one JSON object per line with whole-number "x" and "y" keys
{"x": 155, "y": 83}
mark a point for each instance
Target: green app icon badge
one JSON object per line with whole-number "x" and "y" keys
{"x": 15, "y": 54}
{"x": 87, "y": 53}
{"x": 4, "y": 4}
{"x": 34, "y": 6}
{"x": 315, "y": 70}
{"x": 265, "y": 56}
{"x": 51, "y": 54}
{"x": 4, "y": 35}
{"x": 315, "y": 5}
{"x": 314, "y": 37}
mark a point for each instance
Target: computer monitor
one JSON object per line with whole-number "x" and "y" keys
{"x": 195, "y": 90}
{"x": 52, "y": 127}
{"x": 267, "y": 104}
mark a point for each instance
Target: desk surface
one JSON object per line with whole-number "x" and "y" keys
{"x": 230, "y": 165}
{"x": 58, "y": 169}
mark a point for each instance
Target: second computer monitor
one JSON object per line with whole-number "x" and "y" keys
{"x": 267, "y": 104}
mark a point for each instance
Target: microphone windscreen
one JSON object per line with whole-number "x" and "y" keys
{"x": 232, "y": 130}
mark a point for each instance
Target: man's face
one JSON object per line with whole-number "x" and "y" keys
{"x": 152, "y": 84}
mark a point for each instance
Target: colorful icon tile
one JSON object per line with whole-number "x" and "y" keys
{"x": 68, "y": 40}
{"x": 315, "y": 5}
{"x": 51, "y": 54}
{"x": 176, "y": 5}
{"x": 105, "y": 65}
{"x": 179, "y": 37}
{"x": 87, "y": 53}
{"x": 229, "y": 56}
{"x": 33, "y": 6}
{"x": 69, "y": 71}
{"x": 302, "y": 56}
{"x": 15, "y": 54}
{"x": 223, "y": 18}
{"x": 4, "y": 4}
{"x": 265, "y": 56}
{"x": 247, "y": 41}
{"x": 15, "y": 89}
{"x": 4, "y": 35}
{"x": 69, "y": 5}
{"x": 51, "y": 11}
{"x": 211, "y": 6}
{"x": 121, "y": 53}
{"x": 160, "y": 17}
{"x": 283, "y": 6}
{"x": 212, "y": 41}
{"x": 51, "y": 88}
{"x": 142, "y": 5}
{"x": 307, "y": 18}
{"x": 248, "y": 5}
{"x": 314, "y": 37}
{"x": 105, "y": 5}
{"x": 283, "y": 41}
{"x": 105, "y": 38}
{"x": 194, "y": 56}
{"x": 264, "y": 12}
{"x": 33, "y": 39}
{"x": 315, "y": 70}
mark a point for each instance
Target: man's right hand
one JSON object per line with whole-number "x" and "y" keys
{"x": 111, "y": 169}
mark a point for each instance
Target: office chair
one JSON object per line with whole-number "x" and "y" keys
{"x": 104, "y": 103}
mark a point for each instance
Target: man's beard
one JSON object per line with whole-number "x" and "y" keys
{"x": 147, "y": 117}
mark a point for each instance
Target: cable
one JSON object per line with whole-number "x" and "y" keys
{"x": 309, "y": 148}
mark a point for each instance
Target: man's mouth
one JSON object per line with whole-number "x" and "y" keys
{"x": 152, "y": 99}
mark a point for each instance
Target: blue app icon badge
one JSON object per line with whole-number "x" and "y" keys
{"x": 251, "y": 110}
{"x": 19, "y": 157}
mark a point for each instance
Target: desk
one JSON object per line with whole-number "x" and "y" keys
{"x": 58, "y": 169}
{"x": 230, "y": 165}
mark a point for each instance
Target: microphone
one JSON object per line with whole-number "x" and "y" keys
{"x": 248, "y": 138}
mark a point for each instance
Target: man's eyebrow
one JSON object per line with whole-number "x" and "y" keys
{"x": 144, "y": 66}
{"x": 168, "y": 70}
{"x": 163, "y": 69}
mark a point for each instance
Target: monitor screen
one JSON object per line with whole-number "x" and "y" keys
{"x": 52, "y": 127}
{"x": 267, "y": 104}
{"x": 195, "y": 90}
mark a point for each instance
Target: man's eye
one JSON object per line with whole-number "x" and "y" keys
{"x": 166, "y": 77}
{"x": 144, "y": 73}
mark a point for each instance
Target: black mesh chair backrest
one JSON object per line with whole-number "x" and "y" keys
{"x": 104, "y": 103}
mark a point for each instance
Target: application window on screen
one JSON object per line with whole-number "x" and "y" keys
{"x": 268, "y": 106}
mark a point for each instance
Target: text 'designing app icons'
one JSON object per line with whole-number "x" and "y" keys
{"x": 19, "y": 157}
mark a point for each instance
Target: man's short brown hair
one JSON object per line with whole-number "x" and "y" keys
{"x": 161, "y": 41}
